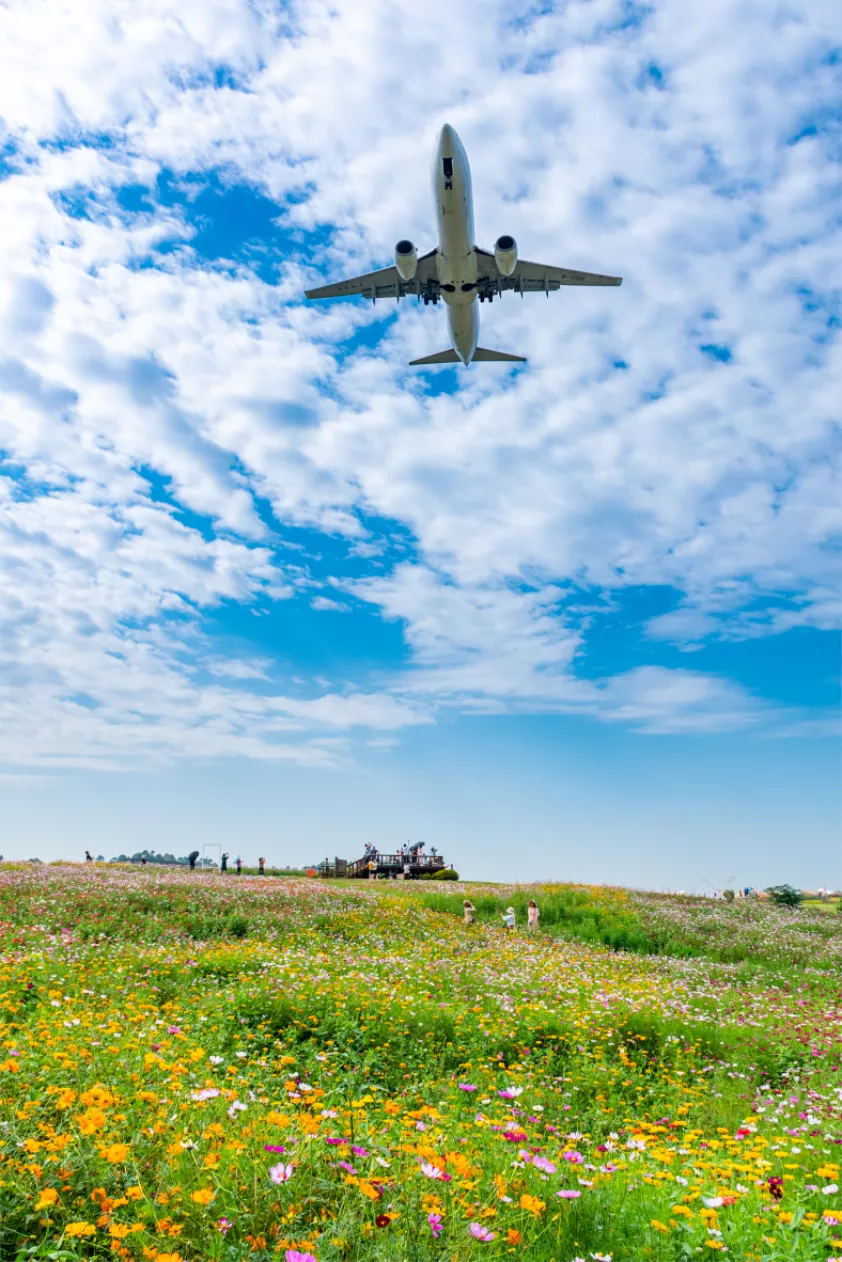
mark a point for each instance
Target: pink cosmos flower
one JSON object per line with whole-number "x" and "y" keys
{"x": 433, "y": 1172}
{"x": 481, "y": 1233}
{"x": 206, "y": 1093}
{"x": 510, "y": 1093}
{"x": 466, "y": 1086}
{"x": 359, "y": 1152}
{"x": 225, "y": 1225}
{"x": 273, "y": 1148}
{"x": 542, "y": 1163}
{"x": 345, "y": 1165}
{"x": 436, "y": 1226}
{"x": 567, "y": 1194}
{"x": 292, "y": 1255}
{"x": 280, "y": 1173}
{"x": 575, "y": 1158}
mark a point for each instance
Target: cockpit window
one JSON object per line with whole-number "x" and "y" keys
{"x": 448, "y": 168}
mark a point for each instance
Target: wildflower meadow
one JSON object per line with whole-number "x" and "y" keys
{"x": 196, "y": 1066}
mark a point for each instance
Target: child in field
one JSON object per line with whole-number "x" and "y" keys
{"x": 532, "y": 914}
{"x": 469, "y": 911}
{"x": 509, "y": 917}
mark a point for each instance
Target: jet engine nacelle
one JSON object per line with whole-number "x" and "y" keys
{"x": 406, "y": 260}
{"x": 505, "y": 255}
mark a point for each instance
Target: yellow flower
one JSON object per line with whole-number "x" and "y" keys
{"x": 532, "y": 1204}
{"x": 658, "y": 1226}
{"x": 714, "y": 1244}
{"x": 204, "y": 1196}
{"x": 512, "y": 1236}
{"x": 115, "y": 1153}
{"x": 91, "y": 1121}
{"x": 134, "y": 1193}
{"x": 118, "y": 1231}
{"x": 80, "y": 1229}
{"x": 48, "y": 1197}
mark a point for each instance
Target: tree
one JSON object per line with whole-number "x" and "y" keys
{"x": 785, "y": 895}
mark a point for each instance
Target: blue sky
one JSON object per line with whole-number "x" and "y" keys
{"x": 578, "y": 619}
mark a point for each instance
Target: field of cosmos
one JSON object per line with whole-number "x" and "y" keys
{"x": 205, "y": 1067}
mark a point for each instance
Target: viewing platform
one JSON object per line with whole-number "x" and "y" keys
{"x": 385, "y": 865}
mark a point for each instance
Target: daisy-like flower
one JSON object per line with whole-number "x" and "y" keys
{"x": 206, "y": 1093}
{"x": 280, "y": 1173}
{"x": 713, "y": 1202}
{"x": 510, "y": 1093}
{"x": 436, "y": 1225}
{"x": 831, "y": 1189}
{"x": 568, "y": 1194}
{"x": 292, "y": 1255}
{"x": 273, "y": 1148}
{"x": 433, "y": 1172}
{"x": 575, "y": 1158}
{"x": 481, "y": 1233}
{"x": 542, "y": 1163}
{"x": 466, "y": 1086}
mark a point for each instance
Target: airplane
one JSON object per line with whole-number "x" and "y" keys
{"x": 458, "y": 271}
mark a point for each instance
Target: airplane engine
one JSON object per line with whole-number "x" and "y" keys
{"x": 505, "y": 255}
{"x": 406, "y": 260}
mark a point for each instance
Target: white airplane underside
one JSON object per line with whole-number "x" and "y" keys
{"x": 458, "y": 272}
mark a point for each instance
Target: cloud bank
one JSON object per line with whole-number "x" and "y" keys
{"x": 184, "y": 442}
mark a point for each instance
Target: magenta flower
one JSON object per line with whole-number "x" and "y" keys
{"x": 273, "y": 1148}
{"x": 481, "y": 1233}
{"x": 510, "y": 1093}
{"x": 292, "y": 1255}
{"x": 466, "y": 1086}
{"x": 436, "y": 1226}
{"x": 280, "y": 1173}
{"x": 541, "y": 1163}
{"x": 225, "y": 1225}
{"x": 345, "y": 1165}
{"x": 359, "y": 1152}
{"x": 514, "y": 1137}
{"x": 573, "y": 1156}
{"x": 329, "y": 1140}
{"x": 567, "y": 1194}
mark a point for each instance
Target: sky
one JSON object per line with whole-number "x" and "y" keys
{"x": 264, "y": 585}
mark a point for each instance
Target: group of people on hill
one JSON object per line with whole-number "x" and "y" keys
{"x": 533, "y": 915}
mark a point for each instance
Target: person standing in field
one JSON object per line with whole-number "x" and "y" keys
{"x": 261, "y": 867}
{"x": 88, "y": 857}
{"x": 191, "y": 859}
{"x": 372, "y": 868}
{"x": 238, "y": 864}
{"x": 532, "y": 914}
{"x": 469, "y": 910}
{"x": 223, "y": 864}
{"x": 508, "y": 917}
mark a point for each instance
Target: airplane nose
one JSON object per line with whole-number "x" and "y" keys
{"x": 447, "y": 136}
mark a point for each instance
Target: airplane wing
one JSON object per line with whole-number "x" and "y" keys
{"x": 534, "y": 278}
{"x": 387, "y": 283}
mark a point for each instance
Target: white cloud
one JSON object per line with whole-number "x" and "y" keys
{"x": 659, "y": 150}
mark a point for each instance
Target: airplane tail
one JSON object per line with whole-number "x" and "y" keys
{"x": 480, "y": 356}
{"x": 440, "y": 357}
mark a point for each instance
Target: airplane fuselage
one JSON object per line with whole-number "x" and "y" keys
{"x": 456, "y": 259}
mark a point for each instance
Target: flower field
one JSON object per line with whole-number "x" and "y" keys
{"x": 200, "y": 1067}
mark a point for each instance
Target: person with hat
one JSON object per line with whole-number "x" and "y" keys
{"x": 509, "y": 917}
